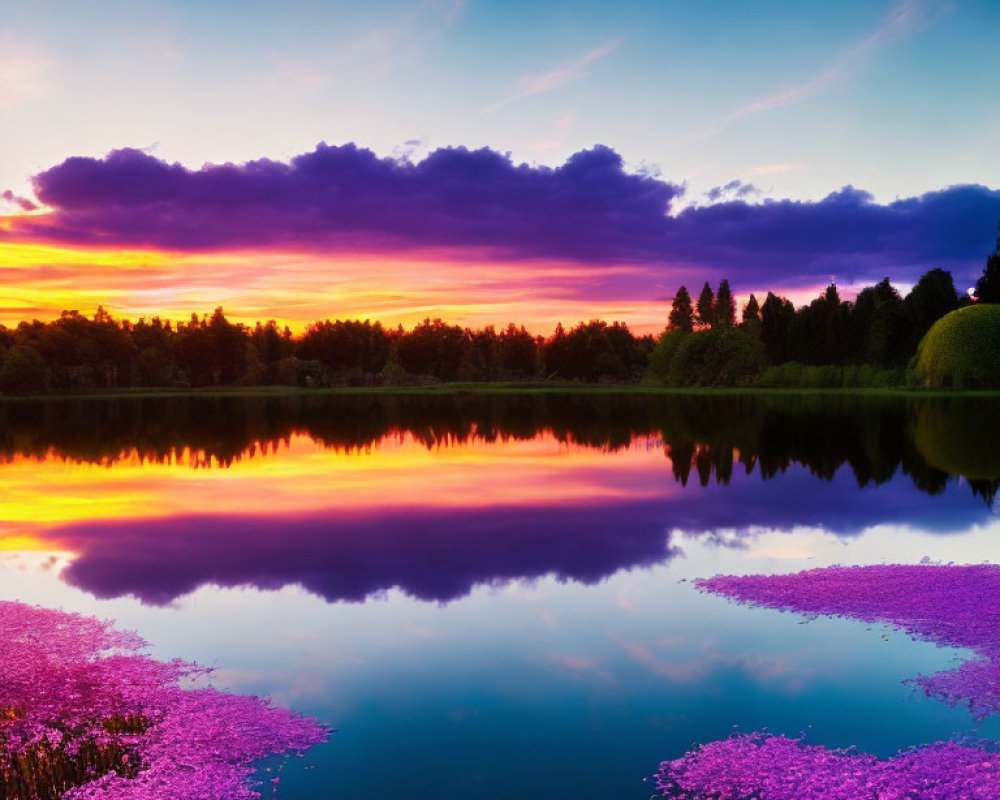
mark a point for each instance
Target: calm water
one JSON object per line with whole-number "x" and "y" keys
{"x": 490, "y": 597}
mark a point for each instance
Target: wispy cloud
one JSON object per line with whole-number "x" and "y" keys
{"x": 382, "y": 49}
{"x": 20, "y": 203}
{"x": 905, "y": 18}
{"x": 580, "y": 666}
{"x": 734, "y": 190}
{"x": 558, "y": 76}
{"x": 24, "y": 71}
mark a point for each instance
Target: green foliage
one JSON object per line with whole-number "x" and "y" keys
{"x": 721, "y": 357}
{"x": 595, "y": 352}
{"x": 663, "y": 353}
{"x": 830, "y": 376}
{"x": 22, "y": 370}
{"x": 961, "y": 350}
{"x": 394, "y": 375}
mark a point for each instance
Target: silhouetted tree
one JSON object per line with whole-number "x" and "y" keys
{"x": 817, "y": 333}
{"x": 706, "y": 306}
{"x": 681, "y": 314}
{"x": 751, "y": 316}
{"x": 776, "y": 317}
{"x": 890, "y": 335}
{"x": 350, "y": 349}
{"x": 933, "y": 296}
{"x": 517, "y": 353}
{"x": 724, "y": 310}
{"x": 433, "y": 349}
{"x": 227, "y": 345}
{"x": 988, "y": 285}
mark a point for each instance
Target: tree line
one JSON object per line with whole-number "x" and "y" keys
{"x": 77, "y": 353}
{"x": 827, "y": 342}
{"x": 873, "y": 336}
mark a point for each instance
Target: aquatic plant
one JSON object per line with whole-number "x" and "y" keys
{"x": 955, "y": 606}
{"x": 86, "y": 714}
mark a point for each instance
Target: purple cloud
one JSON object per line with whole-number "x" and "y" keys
{"x": 346, "y": 198}
{"x": 589, "y": 210}
{"x": 440, "y": 554}
{"x": 845, "y": 234}
{"x": 737, "y": 189}
{"x": 21, "y": 202}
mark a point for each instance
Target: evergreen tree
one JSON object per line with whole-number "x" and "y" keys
{"x": 706, "y": 306}
{"x": 776, "y": 318}
{"x": 891, "y": 330}
{"x": 681, "y": 313}
{"x": 725, "y": 307}
{"x": 751, "y": 316}
{"x": 819, "y": 329}
{"x": 932, "y": 298}
{"x": 988, "y": 286}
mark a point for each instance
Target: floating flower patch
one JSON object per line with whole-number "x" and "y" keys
{"x": 955, "y": 606}
{"x": 86, "y": 714}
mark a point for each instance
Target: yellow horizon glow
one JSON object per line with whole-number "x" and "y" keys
{"x": 39, "y": 281}
{"x": 43, "y": 495}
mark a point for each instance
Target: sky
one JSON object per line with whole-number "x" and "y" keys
{"x": 487, "y": 162}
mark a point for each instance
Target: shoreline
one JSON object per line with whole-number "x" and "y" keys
{"x": 498, "y": 389}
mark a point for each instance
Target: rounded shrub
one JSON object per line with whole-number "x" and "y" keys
{"x": 961, "y": 350}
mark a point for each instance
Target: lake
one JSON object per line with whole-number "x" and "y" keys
{"x": 492, "y": 596}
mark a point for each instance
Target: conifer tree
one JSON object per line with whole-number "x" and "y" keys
{"x": 725, "y": 307}
{"x": 751, "y": 314}
{"x": 681, "y": 314}
{"x": 988, "y": 285}
{"x": 706, "y": 306}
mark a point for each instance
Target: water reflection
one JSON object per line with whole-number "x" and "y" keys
{"x": 927, "y": 439}
{"x": 350, "y": 496}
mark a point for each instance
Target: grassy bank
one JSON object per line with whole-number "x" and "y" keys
{"x": 503, "y": 389}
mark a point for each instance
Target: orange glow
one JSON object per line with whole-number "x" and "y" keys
{"x": 41, "y": 496}
{"x": 294, "y": 289}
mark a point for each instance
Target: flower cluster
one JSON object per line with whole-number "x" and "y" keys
{"x": 956, "y": 606}
{"x": 952, "y": 606}
{"x": 86, "y": 714}
{"x": 754, "y": 767}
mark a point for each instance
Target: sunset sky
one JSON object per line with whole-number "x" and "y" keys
{"x": 486, "y": 161}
